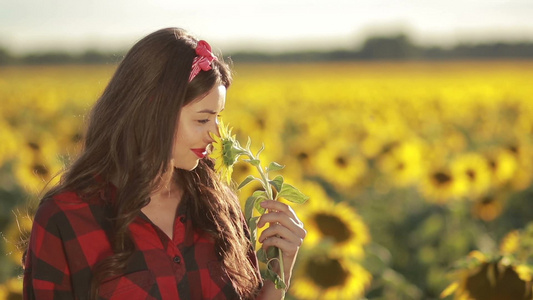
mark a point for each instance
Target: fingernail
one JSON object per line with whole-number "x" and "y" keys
{"x": 263, "y": 204}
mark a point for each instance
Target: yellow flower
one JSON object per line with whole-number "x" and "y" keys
{"x": 503, "y": 166}
{"x": 403, "y": 163}
{"x": 16, "y": 233}
{"x": 13, "y": 287}
{"x": 3, "y": 291}
{"x": 498, "y": 277}
{"x": 438, "y": 185}
{"x": 37, "y": 164}
{"x": 491, "y": 280}
{"x": 488, "y": 207}
{"x": 336, "y": 222}
{"x": 472, "y": 173}
{"x": 226, "y": 152}
{"x": 10, "y": 142}
{"x": 337, "y": 163}
{"x": 320, "y": 276}
{"x": 510, "y": 242}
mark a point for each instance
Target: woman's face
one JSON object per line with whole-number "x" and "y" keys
{"x": 196, "y": 120}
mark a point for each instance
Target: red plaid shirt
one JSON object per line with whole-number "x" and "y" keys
{"x": 70, "y": 236}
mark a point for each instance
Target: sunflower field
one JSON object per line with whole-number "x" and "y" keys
{"x": 420, "y": 174}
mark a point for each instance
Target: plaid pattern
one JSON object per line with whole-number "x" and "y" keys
{"x": 70, "y": 236}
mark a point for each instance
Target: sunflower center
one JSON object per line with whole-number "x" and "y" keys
{"x": 442, "y": 178}
{"x": 302, "y": 156}
{"x": 341, "y": 161}
{"x": 471, "y": 174}
{"x": 487, "y": 200}
{"x": 507, "y": 286}
{"x": 332, "y": 226}
{"x": 513, "y": 149}
{"x": 326, "y": 273}
{"x": 34, "y": 146}
{"x": 400, "y": 166}
{"x": 40, "y": 169}
{"x": 493, "y": 164}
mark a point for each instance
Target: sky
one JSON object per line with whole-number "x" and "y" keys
{"x": 267, "y": 25}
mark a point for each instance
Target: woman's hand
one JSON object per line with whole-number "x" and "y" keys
{"x": 286, "y": 232}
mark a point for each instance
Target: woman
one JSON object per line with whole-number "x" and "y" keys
{"x": 141, "y": 213}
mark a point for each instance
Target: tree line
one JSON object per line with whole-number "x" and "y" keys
{"x": 396, "y": 47}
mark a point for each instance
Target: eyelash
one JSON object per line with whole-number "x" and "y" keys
{"x": 204, "y": 121}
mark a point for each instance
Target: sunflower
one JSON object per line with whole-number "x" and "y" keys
{"x": 403, "y": 163}
{"x": 472, "y": 173}
{"x": 510, "y": 242}
{"x": 524, "y": 174}
{"x": 503, "y": 166}
{"x": 438, "y": 185}
{"x": 519, "y": 244}
{"x": 487, "y": 207}
{"x": 322, "y": 276}
{"x": 302, "y": 151}
{"x": 10, "y": 142}
{"x": 16, "y": 233}
{"x": 335, "y": 222}
{"x": 11, "y": 289}
{"x": 226, "y": 152}
{"x": 491, "y": 278}
{"x": 37, "y": 163}
{"x": 69, "y": 133}
{"x": 338, "y": 163}
{"x": 4, "y": 292}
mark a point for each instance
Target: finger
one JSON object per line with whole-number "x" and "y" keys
{"x": 284, "y": 220}
{"x": 281, "y": 207}
{"x": 282, "y": 232}
{"x": 289, "y": 249}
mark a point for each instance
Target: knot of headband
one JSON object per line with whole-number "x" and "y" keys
{"x": 203, "y": 59}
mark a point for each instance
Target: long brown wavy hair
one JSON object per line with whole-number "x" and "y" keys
{"x": 130, "y": 137}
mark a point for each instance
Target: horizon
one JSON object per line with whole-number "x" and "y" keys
{"x": 29, "y": 26}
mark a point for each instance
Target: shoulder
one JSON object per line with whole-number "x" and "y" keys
{"x": 64, "y": 209}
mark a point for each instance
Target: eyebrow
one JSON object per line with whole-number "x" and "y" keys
{"x": 207, "y": 111}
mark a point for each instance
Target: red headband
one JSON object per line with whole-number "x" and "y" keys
{"x": 203, "y": 59}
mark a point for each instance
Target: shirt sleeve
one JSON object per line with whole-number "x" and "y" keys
{"x": 46, "y": 271}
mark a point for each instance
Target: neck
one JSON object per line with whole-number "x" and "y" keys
{"x": 167, "y": 187}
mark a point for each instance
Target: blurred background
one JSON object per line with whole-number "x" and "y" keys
{"x": 408, "y": 123}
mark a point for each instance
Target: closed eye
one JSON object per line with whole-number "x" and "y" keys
{"x": 205, "y": 121}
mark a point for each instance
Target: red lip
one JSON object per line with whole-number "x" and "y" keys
{"x": 201, "y": 152}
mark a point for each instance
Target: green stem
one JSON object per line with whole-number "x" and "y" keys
{"x": 268, "y": 190}
{"x": 282, "y": 273}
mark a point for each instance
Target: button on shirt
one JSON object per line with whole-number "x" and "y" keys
{"x": 70, "y": 236}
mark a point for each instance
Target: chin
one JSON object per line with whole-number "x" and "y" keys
{"x": 189, "y": 167}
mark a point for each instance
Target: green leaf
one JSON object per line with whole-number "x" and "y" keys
{"x": 260, "y": 150}
{"x": 292, "y": 194}
{"x": 253, "y": 162}
{"x": 251, "y": 203}
{"x": 274, "y": 166}
{"x": 260, "y": 194}
{"x": 262, "y": 256}
{"x": 277, "y": 183}
{"x": 249, "y": 207}
{"x": 252, "y": 224}
{"x": 247, "y": 180}
{"x": 274, "y": 277}
{"x": 260, "y": 209}
{"x": 272, "y": 252}
{"x": 248, "y": 144}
